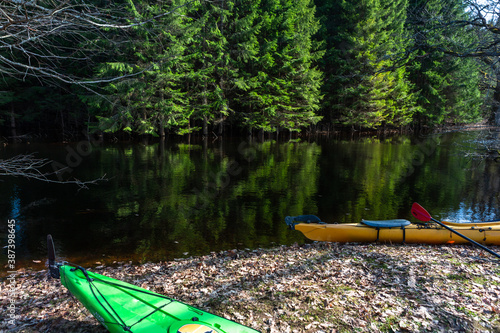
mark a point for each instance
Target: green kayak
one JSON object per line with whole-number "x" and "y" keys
{"x": 123, "y": 307}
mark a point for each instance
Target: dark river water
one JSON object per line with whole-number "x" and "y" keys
{"x": 170, "y": 200}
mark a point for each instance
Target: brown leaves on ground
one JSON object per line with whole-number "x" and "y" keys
{"x": 323, "y": 287}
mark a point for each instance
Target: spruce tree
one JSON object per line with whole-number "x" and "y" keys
{"x": 207, "y": 80}
{"x": 153, "y": 100}
{"x": 449, "y": 86}
{"x": 164, "y": 93}
{"x": 282, "y": 89}
{"x": 363, "y": 87}
{"x": 243, "y": 47}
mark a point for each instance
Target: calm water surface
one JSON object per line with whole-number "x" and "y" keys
{"x": 171, "y": 200}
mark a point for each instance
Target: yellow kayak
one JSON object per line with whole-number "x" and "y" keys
{"x": 393, "y": 231}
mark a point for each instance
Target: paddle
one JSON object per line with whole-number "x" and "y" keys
{"x": 53, "y": 269}
{"x": 420, "y": 213}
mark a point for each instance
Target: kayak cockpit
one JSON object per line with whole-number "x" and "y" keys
{"x": 292, "y": 221}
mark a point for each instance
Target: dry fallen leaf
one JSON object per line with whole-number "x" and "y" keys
{"x": 321, "y": 287}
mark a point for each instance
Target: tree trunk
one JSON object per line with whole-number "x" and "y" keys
{"x": 13, "y": 123}
{"x": 496, "y": 100}
{"x": 205, "y": 126}
{"x": 205, "y": 103}
{"x": 161, "y": 129}
{"x": 62, "y": 125}
{"x": 221, "y": 127}
{"x": 162, "y": 132}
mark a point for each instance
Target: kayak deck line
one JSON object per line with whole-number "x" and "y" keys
{"x": 114, "y": 304}
{"x": 123, "y": 307}
{"x": 156, "y": 308}
{"x": 123, "y": 288}
{"x": 109, "y": 308}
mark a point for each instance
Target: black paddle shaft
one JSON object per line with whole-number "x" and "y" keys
{"x": 467, "y": 238}
{"x": 53, "y": 269}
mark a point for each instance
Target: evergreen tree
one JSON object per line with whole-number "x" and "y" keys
{"x": 164, "y": 93}
{"x": 243, "y": 47}
{"x": 29, "y": 110}
{"x": 363, "y": 87}
{"x": 154, "y": 100}
{"x": 207, "y": 80}
{"x": 283, "y": 88}
{"x": 449, "y": 87}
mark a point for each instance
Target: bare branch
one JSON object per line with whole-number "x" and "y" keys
{"x": 481, "y": 17}
{"x": 30, "y": 167}
{"x": 486, "y": 145}
{"x": 36, "y": 38}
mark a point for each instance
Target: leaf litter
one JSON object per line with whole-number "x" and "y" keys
{"x": 318, "y": 287}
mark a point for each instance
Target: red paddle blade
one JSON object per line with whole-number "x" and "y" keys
{"x": 420, "y": 213}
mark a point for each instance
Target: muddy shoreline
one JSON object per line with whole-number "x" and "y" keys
{"x": 319, "y": 287}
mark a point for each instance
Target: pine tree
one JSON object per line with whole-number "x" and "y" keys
{"x": 363, "y": 88}
{"x": 243, "y": 47}
{"x": 154, "y": 100}
{"x": 206, "y": 82}
{"x": 164, "y": 92}
{"x": 282, "y": 88}
{"x": 449, "y": 86}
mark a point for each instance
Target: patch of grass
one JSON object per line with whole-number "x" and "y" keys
{"x": 457, "y": 277}
{"x": 484, "y": 280}
{"x": 337, "y": 289}
{"x": 388, "y": 325}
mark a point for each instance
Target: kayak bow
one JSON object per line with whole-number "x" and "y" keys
{"x": 123, "y": 307}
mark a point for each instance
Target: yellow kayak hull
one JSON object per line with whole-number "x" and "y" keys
{"x": 417, "y": 234}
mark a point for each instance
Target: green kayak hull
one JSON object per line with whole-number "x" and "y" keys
{"x": 123, "y": 307}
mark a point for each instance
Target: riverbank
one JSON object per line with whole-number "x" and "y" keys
{"x": 321, "y": 287}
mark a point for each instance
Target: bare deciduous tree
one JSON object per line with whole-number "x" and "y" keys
{"x": 36, "y": 37}
{"x": 434, "y": 30}
{"x": 40, "y": 38}
{"x": 439, "y": 30}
